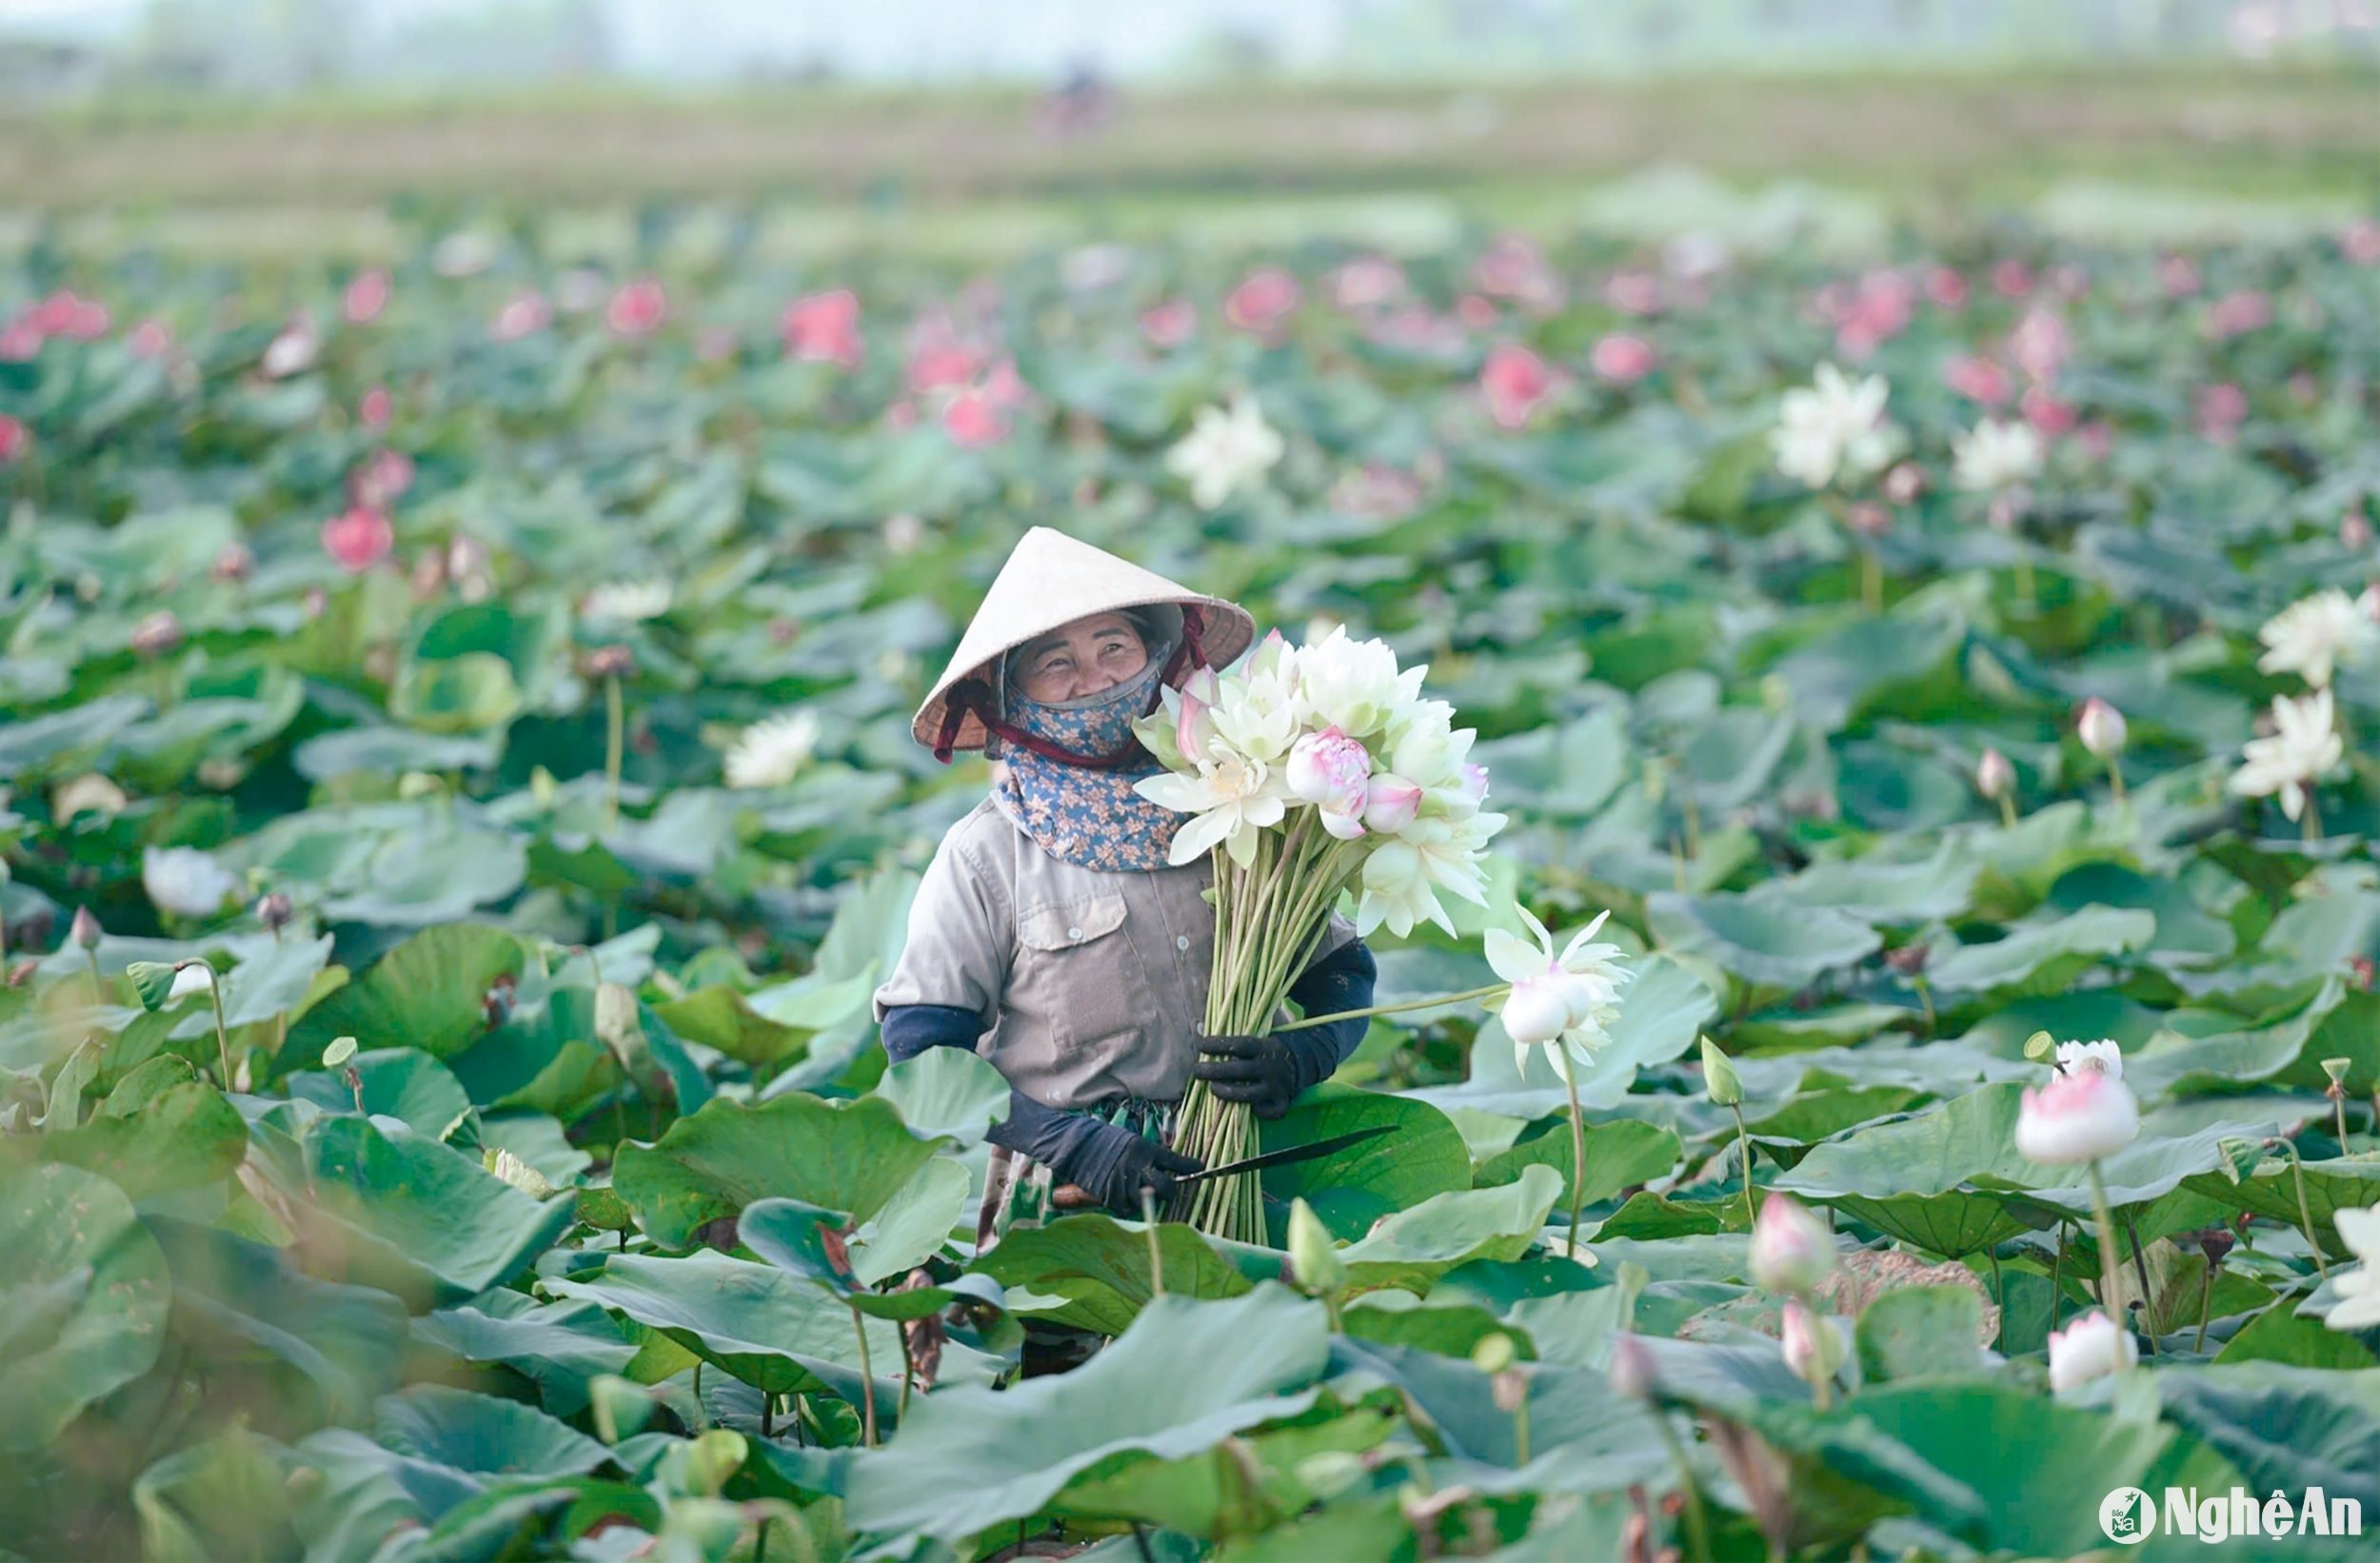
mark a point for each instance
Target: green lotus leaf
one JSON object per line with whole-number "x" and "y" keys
{"x": 83, "y": 1305}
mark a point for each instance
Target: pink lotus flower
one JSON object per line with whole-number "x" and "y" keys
{"x": 2049, "y": 416}
{"x": 1391, "y": 804}
{"x": 1169, "y": 323}
{"x": 2355, "y": 531}
{"x": 54, "y": 315}
{"x": 1633, "y": 292}
{"x": 902, "y": 414}
{"x": 2220, "y": 408}
{"x": 2082, "y": 1115}
{"x": 1945, "y": 287}
{"x": 1792, "y": 1250}
{"x": 2039, "y": 345}
{"x": 1622, "y": 358}
{"x": 637, "y": 310}
{"x": 973, "y": 420}
{"x": 367, "y": 296}
{"x": 1475, "y": 783}
{"x": 2096, "y": 439}
{"x": 1333, "y": 772}
{"x": 359, "y": 539}
{"x": 1366, "y": 282}
{"x": 1514, "y": 267}
{"x": 1879, "y": 310}
{"x": 87, "y": 322}
{"x": 1978, "y": 379}
{"x": 823, "y": 328}
{"x": 2069, "y": 281}
{"x": 2012, "y": 278}
{"x": 1262, "y": 302}
{"x": 151, "y": 338}
{"x": 524, "y": 314}
{"x": 2231, "y": 314}
{"x": 938, "y": 360}
{"x": 2361, "y": 242}
{"x": 15, "y": 438}
{"x": 376, "y": 409}
{"x": 1515, "y": 382}
{"x": 1475, "y": 313}
{"x": 2178, "y": 276}
{"x": 383, "y": 476}
{"x": 20, "y": 340}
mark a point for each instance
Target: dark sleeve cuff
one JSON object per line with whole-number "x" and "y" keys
{"x": 911, "y": 1029}
{"x": 1340, "y": 980}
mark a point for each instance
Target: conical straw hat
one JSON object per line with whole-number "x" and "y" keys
{"x": 1051, "y": 580}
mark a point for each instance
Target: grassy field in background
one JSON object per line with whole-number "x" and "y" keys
{"x": 859, "y": 166}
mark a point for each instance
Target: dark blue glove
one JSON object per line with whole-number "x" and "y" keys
{"x": 1267, "y": 1073}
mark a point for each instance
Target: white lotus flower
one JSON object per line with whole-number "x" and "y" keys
{"x": 184, "y": 881}
{"x": 294, "y": 352}
{"x": 1834, "y": 427}
{"x": 1232, "y": 796}
{"x": 1225, "y": 452}
{"x": 1816, "y": 1345}
{"x": 2315, "y": 634}
{"x": 2103, "y": 1056}
{"x": 1565, "y": 1002}
{"x": 1255, "y": 712}
{"x": 2090, "y": 1347}
{"x": 770, "y": 753}
{"x": 626, "y": 602}
{"x": 2305, "y": 744}
{"x": 2081, "y": 1115}
{"x": 520, "y": 1174}
{"x": 1997, "y": 454}
{"x": 1792, "y": 1250}
{"x": 1354, "y": 685}
{"x": 2358, "y": 1289}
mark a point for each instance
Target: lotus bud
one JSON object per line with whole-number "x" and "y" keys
{"x": 2101, "y": 728}
{"x": 90, "y": 791}
{"x": 152, "y": 980}
{"x": 274, "y": 911}
{"x": 1815, "y": 1347}
{"x": 620, "y": 1407}
{"x": 233, "y": 562}
{"x": 1719, "y": 1080}
{"x": 1493, "y": 1352}
{"x": 1392, "y": 803}
{"x": 2355, "y": 531}
{"x": 617, "y": 1024}
{"x": 157, "y": 634}
{"x": 1634, "y": 1374}
{"x": 1509, "y": 1390}
{"x": 611, "y": 662}
{"x": 1313, "y": 1256}
{"x": 83, "y": 931}
{"x": 1792, "y": 1250}
{"x": 2081, "y": 1115}
{"x": 2090, "y": 1347}
{"x": 1995, "y": 775}
{"x": 1537, "y": 1010}
{"x": 517, "y": 1173}
{"x": 711, "y": 1458}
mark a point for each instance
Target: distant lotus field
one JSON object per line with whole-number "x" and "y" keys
{"x": 457, "y": 801}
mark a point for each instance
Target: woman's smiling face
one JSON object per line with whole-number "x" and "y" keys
{"x": 1097, "y": 651}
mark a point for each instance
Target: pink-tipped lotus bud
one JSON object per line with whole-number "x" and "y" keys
{"x": 2101, "y": 728}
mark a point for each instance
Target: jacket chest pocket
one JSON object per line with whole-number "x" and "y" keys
{"x": 1078, "y": 973}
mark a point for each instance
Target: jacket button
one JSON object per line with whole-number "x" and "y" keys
{"x": 1074, "y": 932}
{"x": 1181, "y": 941}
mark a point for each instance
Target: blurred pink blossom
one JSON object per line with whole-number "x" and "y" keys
{"x": 20, "y": 340}
{"x": 1622, "y": 358}
{"x": 2220, "y": 408}
{"x": 1475, "y": 313}
{"x": 1946, "y": 287}
{"x": 637, "y": 310}
{"x": 1375, "y": 491}
{"x": 1514, "y": 267}
{"x": 1515, "y": 382}
{"x": 1169, "y": 323}
{"x": 151, "y": 338}
{"x": 972, "y": 420}
{"x": 2012, "y": 278}
{"x": 938, "y": 358}
{"x": 1264, "y": 299}
{"x": 524, "y": 314}
{"x": 2231, "y": 314}
{"x": 367, "y": 296}
{"x": 89, "y": 322}
{"x": 2178, "y": 276}
{"x": 15, "y": 438}
{"x": 2355, "y": 531}
{"x": 1978, "y": 379}
{"x": 902, "y": 414}
{"x": 1877, "y": 310}
{"x": 2069, "y": 281}
{"x": 1633, "y": 292}
{"x": 2304, "y": 386}
{"x": 383, "y": 475}
{"x": 359, "y": 539}
{"x": 1415, "y": 329}
{"x": 2097, "y": 437}
{"x": 54, "y": 315}
{"x": 376, "y": 407}
{"x": 1366, "y": 282}
{"x": 823, "y": 328}
{"x": 2361, "y": 242}
{"x": 2049, "y": 416}
{"x": 2039, "y": 345}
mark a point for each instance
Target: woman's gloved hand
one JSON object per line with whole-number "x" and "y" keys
{"x": 1267, "y": 1073}
{"x": 1111, "y": 1164}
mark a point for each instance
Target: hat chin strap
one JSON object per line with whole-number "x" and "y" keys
{"x": 973, "y": 696}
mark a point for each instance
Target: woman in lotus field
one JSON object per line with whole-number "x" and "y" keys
{"x": 1049, "y": 934}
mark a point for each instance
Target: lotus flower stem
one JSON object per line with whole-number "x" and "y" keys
{"x": 2206, "y": 1304}
{"x": 2309, "y": 826}
{"x": 2140, "y": 1268}
{"x": 2111, "y": 1257}
{"x": 2008, "y": 811}
{"x": 908, "y": 1371}
{"x": 1925, "y": 996}
{"x": 1578, "y": 1155}
{"x": 701, "y": 1421}
{"x": 223, "y": 1043}
{"x": 615, "y": 730}
{"x": 2115, "y": 778}
{"x": 1999, "y": 1292}
{"x": 1156, "y": 1250}
{"x": 1871, "y": 581}
{"x": 2058, "y": 1267}
{"x": 867, "y": 1382}
{"x": 1743, "y": 1147}
{"x": 2305, "y": 1211}
{"x": 1493, "y": 990}
{"x": 1697, "y": 1534}
{"x": 2338, "y": 1111}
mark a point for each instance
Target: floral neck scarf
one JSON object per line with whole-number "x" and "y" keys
{"x": 1077, "y": 815}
